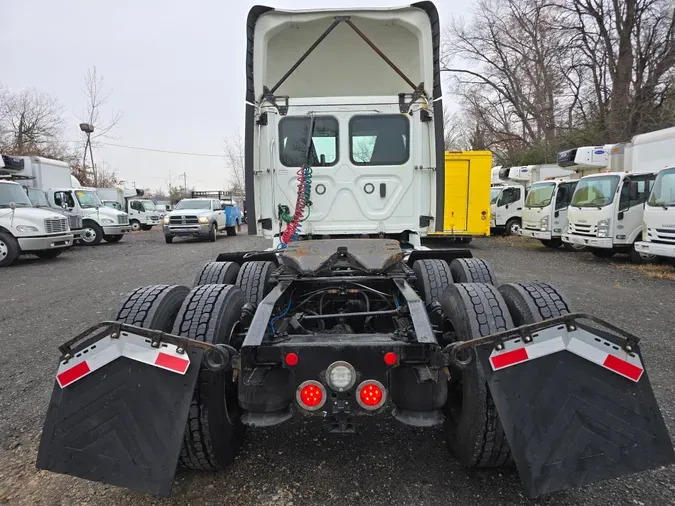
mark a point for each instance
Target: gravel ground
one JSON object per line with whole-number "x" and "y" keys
{"x": 43, "y": 303}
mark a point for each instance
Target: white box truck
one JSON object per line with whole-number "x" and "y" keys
{"x": 54, "y": 177}
{"x": 25, "y": 229}
{"x": 657, "y": 150}
{"x": 509, "y": 190}
{"x": 143, "y": 214}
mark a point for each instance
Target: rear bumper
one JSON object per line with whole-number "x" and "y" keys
{"x": 661, "y": 250}
{"x": 536, "y": 234}
{"x": 116, "y": 229}
{"x": 201, "y": 230}
{"x": 593, "y": 242}
{"x": 45, "y": 242}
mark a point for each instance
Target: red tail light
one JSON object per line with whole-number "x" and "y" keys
{"x": 311, "y": 395}
{"x": 390, "y": 358}
{"x": 291, "y": 359}
{"x": 371, "y": 395}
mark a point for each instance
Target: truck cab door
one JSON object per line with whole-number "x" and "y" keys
{"x": 64, "y": 200}
{"x": 561, "y": 204}
{"x": 632, "y": 197}
{"x": 221, "y": 220}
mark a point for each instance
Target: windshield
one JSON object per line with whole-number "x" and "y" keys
{"x": 663, "y": 193}
{"x": 540, "y": 195}
{"x": 88, "y": 199}
{"x": 494, "y": 194}
{"x": 13, "y": 193}
{"x": 595, "y": 191}
{"x": 37, "y": 197}
{"x": 112, "y": 204}
{"x": 149, "y": 205}
{"x": 194, "y": 204}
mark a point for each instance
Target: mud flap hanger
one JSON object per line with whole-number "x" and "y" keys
{"x": 280, "y": 102}
{"x": 216, "y": 357}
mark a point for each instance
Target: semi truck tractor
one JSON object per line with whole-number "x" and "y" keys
{"x": 337, "y": 330}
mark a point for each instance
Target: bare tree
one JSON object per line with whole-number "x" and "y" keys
{"x": 97, "y": 97}
{"x": 234, "y": 164}
{"x": 455, "y": 129}
{"x": 30, "y": 123}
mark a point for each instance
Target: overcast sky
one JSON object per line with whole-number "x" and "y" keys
{"x": 175, "y": 68}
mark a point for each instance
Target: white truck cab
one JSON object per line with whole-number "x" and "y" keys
{"x": 606, "y": 210}
{"x": 368, "y": 135}
{"x": 658, "y": 233}
{"x": 545, "y": 213}
{"x": 143, "y": 214}
{"x": 25, "y": 229}
{"x": 99, "y": 222}
{"x": 506, "y": 207}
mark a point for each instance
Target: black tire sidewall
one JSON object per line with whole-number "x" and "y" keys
{"x": 13, "y": 249}
{"x": 97, "y": 229}
{"x": 218, "y": 273}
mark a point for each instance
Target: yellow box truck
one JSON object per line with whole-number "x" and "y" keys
{"x": 466, "y": 212}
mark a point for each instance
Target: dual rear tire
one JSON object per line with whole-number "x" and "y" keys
{"x": 474, "y": 307}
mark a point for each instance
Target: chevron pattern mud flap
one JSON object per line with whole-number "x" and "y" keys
{"x": 120, "y": 424}
{"x": 576, "y": 409}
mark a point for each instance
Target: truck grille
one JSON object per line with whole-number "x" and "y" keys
{"x": 531, "y": 225}
{"x": 183, "y": 220}
{"x": 661, "y": 235}
{"x": 154, "y": 218}
{"x": 123, "y": 220}
{"x": 56, "y": 225}
{"x": 582, "y": 229}
{"x": 75, "y": 222}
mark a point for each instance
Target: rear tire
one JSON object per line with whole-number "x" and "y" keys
{"x": 113, "y": 238}
{"x": 135, "y": 225}
{"x": 231, "y": 231}
{"x": 47, "y": 254}
{"x": 9, "y": 249}
{"x": 433, "y": 276}
{"x": 214, "y": 430}
{"x": 534, "y": 302}
{"x": 254, "y": 280}
{"x": 472, "y": 270}
{"x": 552, "y": 243}
{"x": 218, "y": 273}
{"x": 153, "y": 307}
{"x": 474, "y": 432}
{"x": 603, "y": 253}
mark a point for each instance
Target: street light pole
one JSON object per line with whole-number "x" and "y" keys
{"x": 88, "y": 129}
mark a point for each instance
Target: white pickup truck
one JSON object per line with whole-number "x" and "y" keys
{"x": 25, "y": 229}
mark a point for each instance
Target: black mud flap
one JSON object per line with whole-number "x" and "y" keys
{"x": 122, "y": 425}
{"x": 570, "y": 421}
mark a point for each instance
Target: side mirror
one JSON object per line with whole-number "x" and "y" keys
{"x": 64, "y": 206}
{"x": 633, "y": 190}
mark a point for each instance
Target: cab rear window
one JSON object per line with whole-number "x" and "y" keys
{"x": 293, "y": 135}
{"x": 379, "y": 140}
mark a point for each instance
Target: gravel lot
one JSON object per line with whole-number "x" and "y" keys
{"x": 43, "y": 303}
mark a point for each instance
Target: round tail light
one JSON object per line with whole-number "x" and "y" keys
{"x": 371, "y": 395}
{"x": 311, "y": 395}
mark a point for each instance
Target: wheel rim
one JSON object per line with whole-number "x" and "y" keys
{"x": 89, "y": 235}
{"x": 515, "y": 228}
{"x": 647, "y": 257}
{"x": 4, "y": 250}
{"x": 135, "y": 226}
{"x": 577, "y": 246}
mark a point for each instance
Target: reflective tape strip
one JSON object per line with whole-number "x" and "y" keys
{"x": 581, "y": 342}
{"x": 131, "y": 346}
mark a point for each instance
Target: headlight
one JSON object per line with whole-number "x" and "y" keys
{"x": 204, "y": 219}
{"x": 603, "y": 228}
{"x": 340, "y": 376}
{"x": 26, "y": 228}
{"x": 107, "y": 221}
{"x": 165, "y": 220}
{"x": 543, "y": 224}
